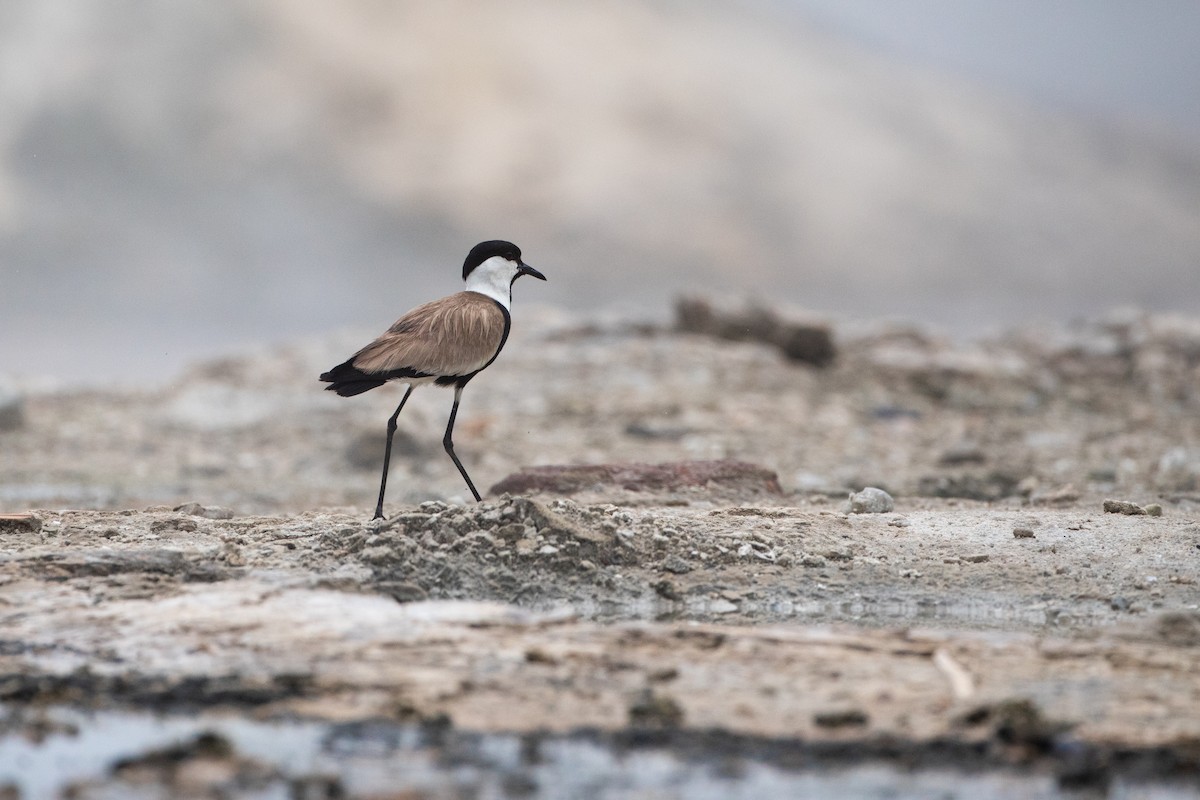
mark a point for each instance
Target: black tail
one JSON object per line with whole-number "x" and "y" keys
{"x": 348, "y": 380}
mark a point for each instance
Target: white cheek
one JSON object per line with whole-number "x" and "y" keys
{"x": 493, "y": 278}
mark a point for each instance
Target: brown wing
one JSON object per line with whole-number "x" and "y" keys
{"x": 456, "y": 335}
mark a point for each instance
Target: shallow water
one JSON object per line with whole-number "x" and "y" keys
{"x": 368, "y": 759}
{"x": 991, "y": 613}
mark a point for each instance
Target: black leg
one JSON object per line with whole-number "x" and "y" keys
{"x": 387, "y": 453}
{"x": 448, "y": 443}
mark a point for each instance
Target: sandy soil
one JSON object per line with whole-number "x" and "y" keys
{"x": 998, "y": 618}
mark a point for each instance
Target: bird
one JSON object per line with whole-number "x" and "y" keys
{"x": 444, "y": 342}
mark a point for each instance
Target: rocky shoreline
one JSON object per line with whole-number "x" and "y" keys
{"x": 1027, "y": 608}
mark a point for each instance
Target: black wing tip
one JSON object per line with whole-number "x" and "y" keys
{"x": 351, "y": 388}
{"x": 348, "y": 380}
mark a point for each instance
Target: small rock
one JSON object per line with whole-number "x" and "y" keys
{"x": 676, "y": 565}
{"x": 850, "y": 718}
{"x": 1123, "y": 507}
{"x": 20, "y": 523}
{"x": 547, "y": 550}
{"x": 1118, "y": 604}
{"x": 1154, "y": 510}
{"x": 812, "y": 561}
{"x": 871, "y": 501}
{"x": 1019, "y": 721}
{"x": 1023, "y": 533}
{"x": 207, "y": 512}
{"x": 512, "y": 532}
{"x": 977, "y": 558}
{"x": 655, "y": 711}
{"x": 535, "y": 655}
{"x": 666, "y": 589}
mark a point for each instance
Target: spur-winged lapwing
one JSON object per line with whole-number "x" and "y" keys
{"x": 446, "y": 342}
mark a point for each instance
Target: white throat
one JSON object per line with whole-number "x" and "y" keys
{"x": 494, "y": 278}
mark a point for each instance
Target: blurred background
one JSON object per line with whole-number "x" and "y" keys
{"x": 179, "y": 180}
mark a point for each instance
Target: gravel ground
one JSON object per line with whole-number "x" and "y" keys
{"x": 204, "y": 548}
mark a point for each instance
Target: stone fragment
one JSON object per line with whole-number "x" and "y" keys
{"x": 871, "y": 501}
{"x": 512, "y": 532}
{"x": 849, "y": 718}
{"x": 1154, "y": 510}
{"x": 676, "y": 565}
{"x": 1123, "y": 507}
{"x": 1023, "y": 533}
{"x": 667, "y": 590}
{"x": 20, "y": 523}
{"x": 657, "y": 711}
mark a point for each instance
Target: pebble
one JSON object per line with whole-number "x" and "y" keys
{"x": 1124, "y": 507}
{"x": 1154, "y": 510}
{"x": 513, "y": 531}
{"x": 850, "y": 718}
{"x": 20, "y": 523}
{"x": 871, "y": 501}
{"x": 977, "y": 558}
{"x": 1023, "y": 533}
{"x": 676, "y": 565}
